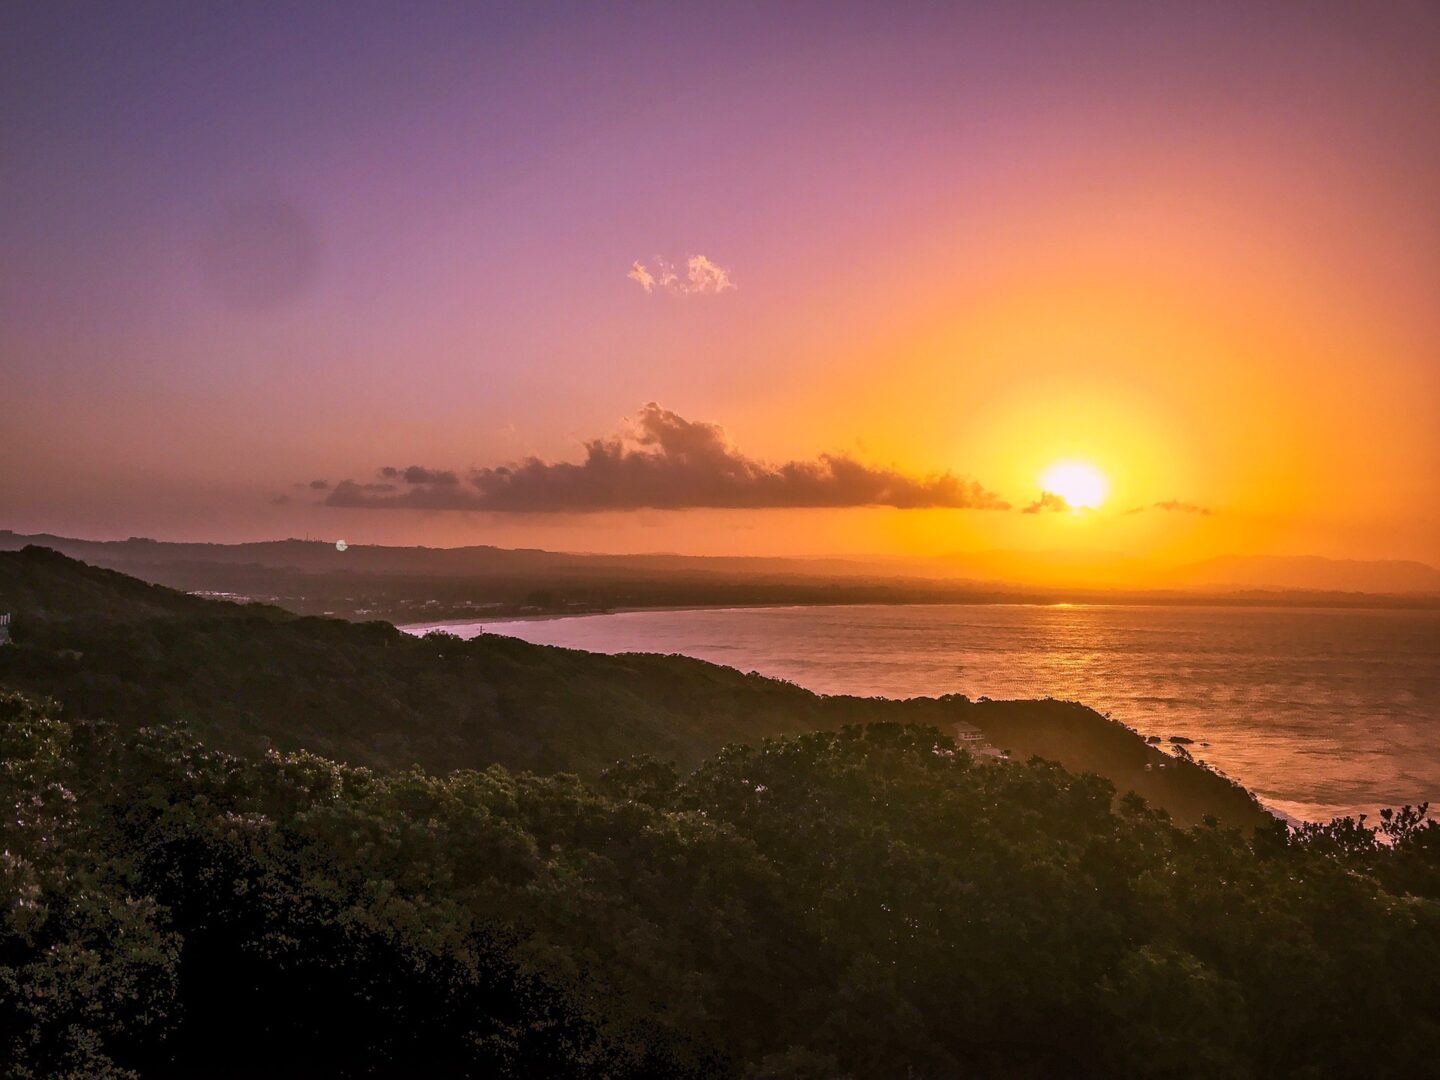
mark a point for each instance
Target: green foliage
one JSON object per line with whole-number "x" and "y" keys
{"x": 871, "y": 902}
{"x": 87, "y": 966}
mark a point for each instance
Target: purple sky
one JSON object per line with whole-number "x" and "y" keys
{"x": 247, "y": 246}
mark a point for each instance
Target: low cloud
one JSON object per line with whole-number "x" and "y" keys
{"x": 418, "y": 474}
{"x": 1047, "y": 502}
{"x": 701, "y": 277}
{"x": 1174, "y": 506}
{"x": 662, "y": 461}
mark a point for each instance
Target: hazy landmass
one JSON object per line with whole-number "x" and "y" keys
{"x": 1298, "y": 573}
{"x": 418, "y": 584}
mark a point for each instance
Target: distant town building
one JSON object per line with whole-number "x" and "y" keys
{"x": 5, "y": 629}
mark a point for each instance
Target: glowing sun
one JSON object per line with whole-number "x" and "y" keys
{"x": 1080, "y": 484}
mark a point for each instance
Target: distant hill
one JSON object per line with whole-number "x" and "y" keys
{"x": 1225, "y": 574}
{"x": 38, "y": 583}
{"x": 1308, "y": 572}
{"x": 248, "y": 677}
{"x": 418, "y": 584}
{"x": 480, "y": 560}
{"x": 1043, "y": 569}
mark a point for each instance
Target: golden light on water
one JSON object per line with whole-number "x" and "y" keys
{"x": 1080, "y": 484}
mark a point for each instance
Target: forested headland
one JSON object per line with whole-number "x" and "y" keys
{"x": 249, "y": 677}
{"x": 241, "y": 843}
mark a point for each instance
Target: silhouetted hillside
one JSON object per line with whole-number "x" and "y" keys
{"x": 248, "y": 678}
{"x": 38, "y": 583}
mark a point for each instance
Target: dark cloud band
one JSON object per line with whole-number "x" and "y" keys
{"x": 666, "y": 462}
{"x": 1174, "y": 506}
{"x": 1047, "y": 502}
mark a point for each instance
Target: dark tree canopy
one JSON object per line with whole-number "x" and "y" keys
{"x": 869, "y": 903}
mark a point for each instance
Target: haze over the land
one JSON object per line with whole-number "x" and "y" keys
{"x": 209, "y": 567}
{"x": 1144, "y": 279}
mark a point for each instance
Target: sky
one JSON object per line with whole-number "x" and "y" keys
{"x": 771, "y": 279}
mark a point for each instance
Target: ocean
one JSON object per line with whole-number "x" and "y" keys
{"x": 1320, "y": 712}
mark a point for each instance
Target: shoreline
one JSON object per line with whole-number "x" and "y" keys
{"x": 548, "y": 616}
{"x": 551, "y": 616}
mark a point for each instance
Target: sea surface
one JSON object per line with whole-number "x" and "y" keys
{"x": 1320, "y": 712}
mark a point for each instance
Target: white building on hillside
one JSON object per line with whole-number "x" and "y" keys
{"x": 973, "y": 739}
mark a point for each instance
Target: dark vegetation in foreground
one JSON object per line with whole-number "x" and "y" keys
{"x": 246, "y": 678}
{"x": 864, "y": 903}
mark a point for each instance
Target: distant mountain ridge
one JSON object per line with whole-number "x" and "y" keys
{"x": 1102, "y": 569}
{"x": 1062, "y": 569}
{"x": 1310, "y": 572}
{"x": 479, "y": 559}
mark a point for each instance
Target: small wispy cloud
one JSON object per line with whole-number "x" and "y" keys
{"x": 702, "y": 277}
{"x": 1047, "y": 502}
{"x": 705, "y": 277}
{"x": 642, "y": 276}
